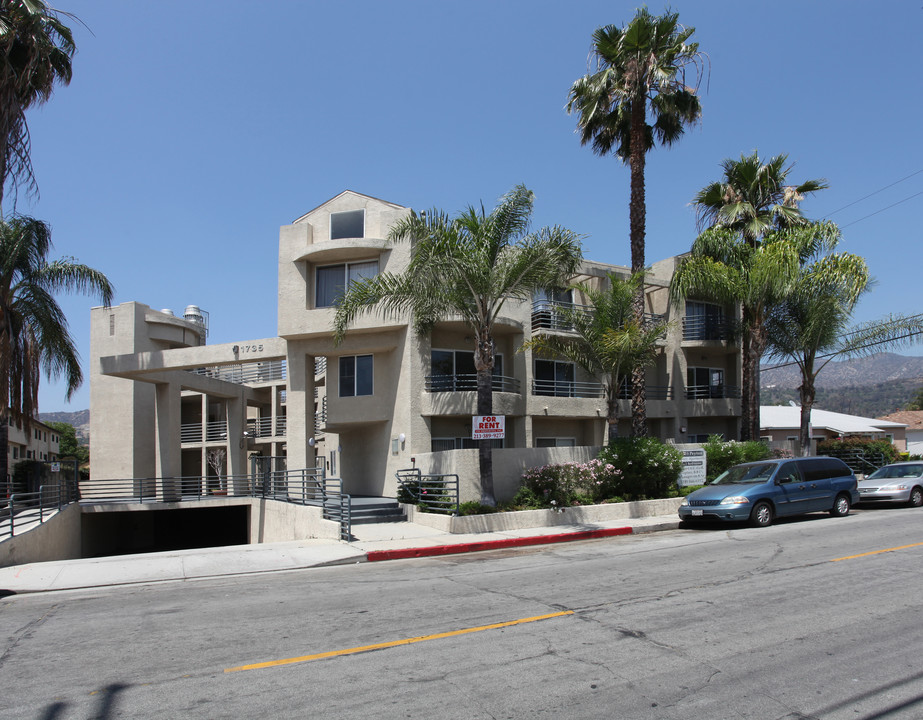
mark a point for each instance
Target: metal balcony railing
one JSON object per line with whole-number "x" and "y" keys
{"x": 707, "y": 328}
{"x": 564, "y": 388}
{"x": 554, "y": 315}
{"x": 262, "y": 427}
{"x": 246, "y": 373}
{"x": 214, "y": 432}
{"x": 712, "y": 392}
{"x": 468, "y": 383}
{"x": 651, "y": 392}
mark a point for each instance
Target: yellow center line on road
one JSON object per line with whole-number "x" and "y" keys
{"x": 395, "y": 643}
{"x": 877, "y": 552}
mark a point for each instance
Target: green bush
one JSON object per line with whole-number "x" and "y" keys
{"x": 565, "y": 484}
{"x": 721, "y": 454}
{"x": 642, "y": 468}
{"x": 876, "y": 452}
{"x": 473, "y": 507}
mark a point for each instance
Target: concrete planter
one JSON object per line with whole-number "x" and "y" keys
{"x": 521, "y": 519}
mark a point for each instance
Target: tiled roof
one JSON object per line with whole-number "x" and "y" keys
{"x": 913, "y": 419}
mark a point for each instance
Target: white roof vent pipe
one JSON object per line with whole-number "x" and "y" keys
{"x": 168, "y": 311}
{"x": 195, "y": 314}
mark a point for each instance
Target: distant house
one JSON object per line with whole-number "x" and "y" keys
{"x": 913, "y": 419}
{"x": 40, "y": 443}
{"x": 780, "y": 426}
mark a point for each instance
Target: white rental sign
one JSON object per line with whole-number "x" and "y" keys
{"x": 693, "y": 472}
{"x": 488, "y": 427}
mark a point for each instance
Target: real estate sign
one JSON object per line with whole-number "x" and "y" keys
{"x": 488, "y": 427}
{"x": 693, "y": 472}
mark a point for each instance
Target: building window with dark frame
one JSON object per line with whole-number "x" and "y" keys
{"x": 356, "y": 372}
{"x": 348, "y": 224}
{"x": 331, "y": 281}
{"x": 556, "y": 378}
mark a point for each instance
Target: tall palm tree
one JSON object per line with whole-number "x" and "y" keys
{"x": 725, "y": 268}
{"x": 634, "y": 95}
{"x": 36, "y": 49}
{"x": 753, "y": 198}
{"x": 810, "y": 327}
{"x": 604, "y": 339}
{"x": 33, "y": 330}
{"x": 468, "y": 267}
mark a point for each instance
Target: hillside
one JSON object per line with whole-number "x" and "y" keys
{"x": 871, "y": 387}
{"x": 80, "y": 420}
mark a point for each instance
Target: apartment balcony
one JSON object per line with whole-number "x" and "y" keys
{"x": 246, "y": 373}
{"x": 468, "y": 383}
{"x": 213, "y": 431}
{"x": 703, "y": 329}
{"x": 553, "y": 315}
{"x": 651, "y": 392}
{"x": 565, "y": 388}
{"x": 262, "y": 427}
{"x": 712, "y": 392}
{"x": 457, "y": 395}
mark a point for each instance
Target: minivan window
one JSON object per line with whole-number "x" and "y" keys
{"x": 788, "y": 473}
{"x": 740, "y": 474}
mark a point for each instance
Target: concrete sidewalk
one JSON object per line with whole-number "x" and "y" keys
{"x": 383, "y": 541}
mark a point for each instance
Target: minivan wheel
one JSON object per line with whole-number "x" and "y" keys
{"x": 840, "y": 506}
{"x": 761, "y": 515}
{"x": 916, "y": 497}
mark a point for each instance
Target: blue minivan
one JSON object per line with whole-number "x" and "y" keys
{"x": 760, "y": 491}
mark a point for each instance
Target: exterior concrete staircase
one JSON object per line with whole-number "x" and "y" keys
{"x": 365, "y": 510}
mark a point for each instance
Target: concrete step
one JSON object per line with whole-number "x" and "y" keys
{"x": 365, "y": 510}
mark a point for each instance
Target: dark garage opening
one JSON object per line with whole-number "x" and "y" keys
{"x": 144, "y": 531}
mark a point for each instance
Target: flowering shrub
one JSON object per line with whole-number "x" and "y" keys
{"x": 565, "y": 484}
{"x": 721, "y": 454}
{"x": 643, "y": 468}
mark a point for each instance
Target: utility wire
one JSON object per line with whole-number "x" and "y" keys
{"x": 882, "y": 210}
{"x": 854, "y": 202}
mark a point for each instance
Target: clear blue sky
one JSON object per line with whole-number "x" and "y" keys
{"x": 192, "y": 131}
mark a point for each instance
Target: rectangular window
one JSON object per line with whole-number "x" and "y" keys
{"x": 549, "y": 442}
{"x": 697, "y": 438}
{"x": 704, "y": 382}
{"x": 349, "y": 224}
{"x": 112, "y": 324}
{"x": 356, "y": 375}
{"x": 555, "y": 378}
{"x": 703, "y": 321}
{"x": 332, "y": 280}
{"x": 453, "y": 370}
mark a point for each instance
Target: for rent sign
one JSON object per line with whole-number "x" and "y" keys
{"x": 488, "y": 427}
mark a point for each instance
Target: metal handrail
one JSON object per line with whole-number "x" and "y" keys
{"x": 468, "y": 383}
{"x": 434, "y": 493}
{"x": 567, "y": 388}
{"x": 246, "y": 373}
{"x": 651, "y": 392}
{"x": 696, "y": 327}
{"x": 712, "y": 392}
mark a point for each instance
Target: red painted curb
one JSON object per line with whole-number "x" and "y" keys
{"x": 376, "y": 555}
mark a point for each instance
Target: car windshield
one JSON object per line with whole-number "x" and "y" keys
{"x": 897, "y": 471}
{"x": 740, "y": 474}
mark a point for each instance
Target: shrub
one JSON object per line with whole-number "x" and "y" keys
{"x": 473, "y": 507}
{"x": 565, "y": 484}
{"x": 860, "y": 453}
{"x": 721, "y": 454}
{"x": 642, "y": 468}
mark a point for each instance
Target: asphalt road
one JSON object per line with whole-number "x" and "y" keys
{"x": 712, "y": 623}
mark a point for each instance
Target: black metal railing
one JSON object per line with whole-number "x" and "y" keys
{"x": 433, "y": 493}
{"x": 708, "y": 328}
{"x": 567, "y": 388}
{"x": 651, "y": 392}
{"x": 468, "y": 383}
{"x": 712, "y": 392}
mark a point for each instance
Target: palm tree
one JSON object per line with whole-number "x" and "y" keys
{"x": 36, "y": 49}
{"x": 33, "y": 330}
{"x": 635, "y": 95}
{"x": 468, "y": 267}
{"x": 810, "y": 327}
{"x": 751, "y": 199}
{"x": 723, "y": 267}
{"x": 604, "y": 339}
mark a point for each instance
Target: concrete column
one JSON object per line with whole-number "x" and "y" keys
{"x": 167, "y": 410}
{"x": 236, "y": 410}
{"x": 299, "y": 399}
{"x": 274, "y": 409}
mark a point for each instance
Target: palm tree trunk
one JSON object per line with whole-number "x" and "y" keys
{"x": 484, "y": 364}
{"x": 806, "y": 391}
{"x": 612, "y": 412}
{"x": 4, "y": 452}
{"x": 637, "y": 211}
{"x": 746, "y": 382}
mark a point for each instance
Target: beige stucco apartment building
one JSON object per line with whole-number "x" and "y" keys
{"x": 165, "y": 404}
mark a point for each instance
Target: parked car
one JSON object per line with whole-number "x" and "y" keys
{"x": 760, "y": 491}
{"x": 898, "y": 483}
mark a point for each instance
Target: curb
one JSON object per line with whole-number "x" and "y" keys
{"x": 403, "y": 554}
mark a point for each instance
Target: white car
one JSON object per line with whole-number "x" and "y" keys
{"x": 898, "y": 483}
